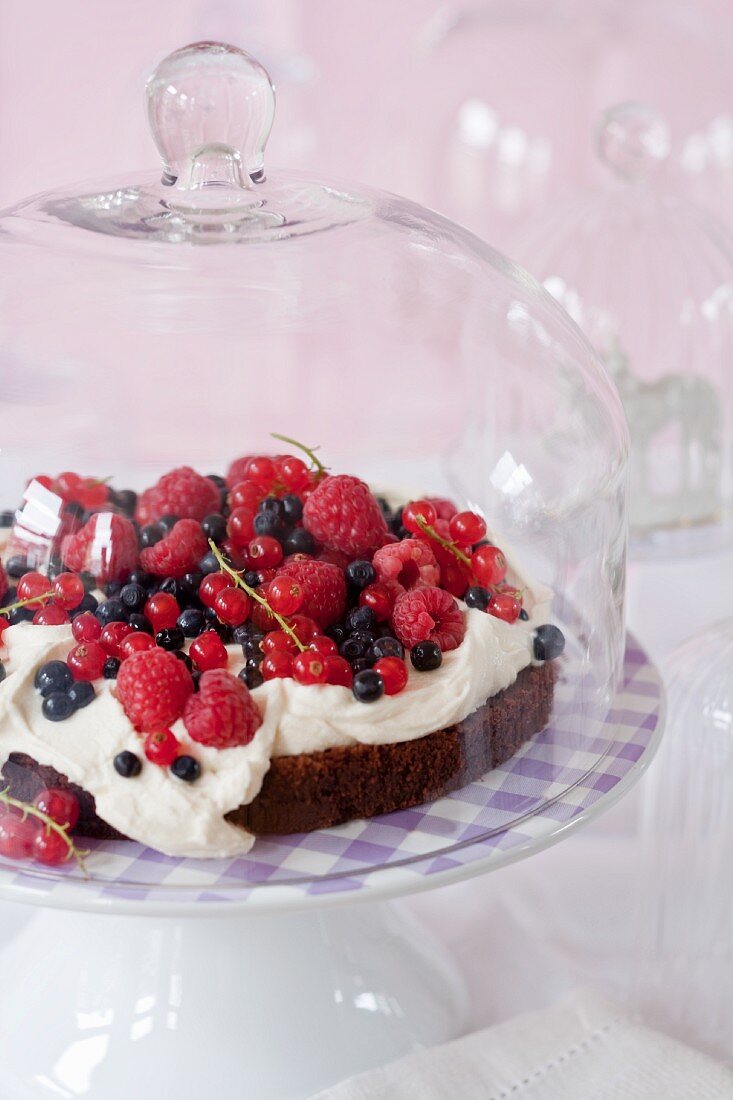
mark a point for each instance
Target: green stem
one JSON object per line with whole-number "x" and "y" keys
{"x": 310, "y": 451}
{"x": 23, "y": 603}
{"x": 445, "y": 543}
{"x": 253, "y": 594}
{"x": 27, "y": 808}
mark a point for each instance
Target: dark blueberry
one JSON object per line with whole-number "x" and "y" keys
{"x": 3, "y": 673}
{"x": 16, "y": 566}
{"x": 338, "y": 632}
{"x": 20, "y": 615}
{"x": 89, "y": 603}
{"x": 368, "y": 686}
{"x": 150, "y": 534}
{"x": 269, "y": 523}
{"x": 139, "y": 576}
{"x": 360, "y": 574}
{"x": 366, "y": 637}
{"x": 7, "y": 519}
{"x": 426, "y": 656}
{"x": 89, "y": 581}
{"x": 113, "y": 588}
{"x": 253, "y": 647}
{"x": 191, "y": 622}
{"x": 251, "y": 676}
{"x": 292, "y": 508}
{"x": 388, "y": 647}
{"x": 167, "y": 523}
{"x": 352, "y": 648}
{"x": 10, "y": 596}
{"x": 81, "y": 693}
{"x": 272, "y": 506}
{"x": 111, "y": 668}
{"x": 133, "y": 596}
{"x": 252, "y": 578}
{"x": 186, "y": 768}
{"x": 171, "y": 586}
{"x": 549, "y": 642}
{"x": 140, "y": 623}
{"x": 478, "y": 597}
{"x": 360, "y": 618}
{"x": 74, "y": 510}
{"x": 170, "y": 638}
{"x": 299, "y": 541}
{"x": 242, "y": 634}
{"x": 361, "y": 664}
{"x": 189, "y": 585}
{"x": 55, "y": 566}
{"x": 214, "y": 527}
{"x": 183, "y": 657}
{"x": 224, "y": 631}
{"x": 218, "y": 480}
{"x": 196, "y": 676}
{"x": 209, "y": 564}
{"x": 127, "y": 764}
{"x": 126, "y": 500}
{"x": 384, "y": 505}
{"x": 523, "y": 615}
{"x": 112, "y": 611}
{"x": 57, "y": 706}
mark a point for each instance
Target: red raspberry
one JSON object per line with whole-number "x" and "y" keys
{"x": 342, "y": 513}
{"x": 222, "y": 713}
{"x": 153, "y": 687}
{"x": 178, "y": 552}
{"x": 182, "y": 493}
{"x": 324, "y": 590}
{"x": 409, "y": 563}
{"x": 106, "y": 546}
{"x": 428, "y": 614}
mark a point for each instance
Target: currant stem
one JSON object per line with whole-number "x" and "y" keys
{"x": 445, "y": 543}
{"x": 310, "y": 451}
{"x": 27, "y": 808}
{"x": 23, "y": 603}
{"x": 252, "y": 593}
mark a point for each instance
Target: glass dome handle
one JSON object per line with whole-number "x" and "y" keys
{"x": 632, "y": 140}
{"x": 210, "y": 108}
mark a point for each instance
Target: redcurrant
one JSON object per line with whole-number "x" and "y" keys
{"x": 506, "y": 607}
{"x": 52, "y": 615}
{"x": 377, "y": 597}
{"x": 68, "y": 591}
{"x": 240, "y": 525}
{"x": 261, "y": 470}
{"x": 162, "y": 611}
{"x": 161, "y": 747}
{"x": 422, "y": 508}
{"x": 393, "y": 672}
{"x": 137, "y": 641}
{"x": 278, "y": 664}
{"x": 86, "y": 661}
{"x": 33, "y": 585}
{"x": 61, "y": 806}
{"x": 278, "y": 640}
{"x": 324, "y": 645}
{"x": 50, "y": 848}
{"x": 86, "y": 627}
{"x": 488, "y": 565}
{"x": 232, "y": 606}
{"x": 208, "y": 651}
{"x": 211, "y": 586}
{"x": 264, "y": 552}
{"x": 466, "y": 528}
{"x": 285, "y": 595}
{"x": 112, "y": 637}
{"x": 339, "y": 671}
{"x": 309, "y": 668}
{"x": 17, "y": 836}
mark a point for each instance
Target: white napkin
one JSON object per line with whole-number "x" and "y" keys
{"x": 582, "y": 1049}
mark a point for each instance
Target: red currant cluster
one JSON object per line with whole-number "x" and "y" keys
{"x": 39, "y": 830}
{"x": 49, "y": 601}
{"x": 89, "y": 493}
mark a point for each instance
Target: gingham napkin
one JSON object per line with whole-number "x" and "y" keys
{"x": 582, "y": 1049}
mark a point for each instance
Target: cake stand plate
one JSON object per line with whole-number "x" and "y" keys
{"x": 122, "y": 984}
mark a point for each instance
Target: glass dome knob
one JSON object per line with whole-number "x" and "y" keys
{"x": 210, "y": 108}
{"x": 632, "y": 140}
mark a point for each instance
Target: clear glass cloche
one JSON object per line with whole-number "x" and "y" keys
{"x": 171, "y": 319}
{"x": 649, "y": 278}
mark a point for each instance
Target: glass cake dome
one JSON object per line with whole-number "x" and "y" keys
{"x": 181, "y": 318}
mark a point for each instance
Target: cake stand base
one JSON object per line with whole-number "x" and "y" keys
{"x": 272, "y": 1006}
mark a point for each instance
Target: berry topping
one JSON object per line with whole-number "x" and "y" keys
{"x": 368, "y": 686}
{"x": 178, "y": 552}
{"x": 342, "y": 513}
{"x": 182, "y": 493}
{"x": 222, "y": 713}
{"x": 548, "y": 642}
{"x": 323, "y": 587}
{"x": 106, "y": 547}
{"x": 186, "y": 768}
{"x": 127, "y": 764}
{"x": 161, "y": 747}
{"x": 208, "y": 651}
{"x": 426, "y": 656}
{"x": 153, "y": 688}
{"x": 428, "y": 614}
{"x": 408, "y": 563}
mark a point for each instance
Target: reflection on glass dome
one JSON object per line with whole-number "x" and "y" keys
{"x": 650, "y": 281}
{"x": 411, "y": 356}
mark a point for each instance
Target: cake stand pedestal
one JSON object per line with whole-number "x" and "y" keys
{"x": 276, "y": 975}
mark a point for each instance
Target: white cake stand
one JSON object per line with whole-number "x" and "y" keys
{"x": 262, "y": 976}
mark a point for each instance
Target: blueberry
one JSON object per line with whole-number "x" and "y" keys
{"x": 292, "y": 508}
{"x": 139, "y": 576}
{"x": 10, "y": 596}
{"x": 189, "y": 585}
{"x": 338, "y": 632}
{"x": 16, "y": 566}
{"x": 549, "y": 642}
{"x": 362, "y": 663}
{"x": 20, "y": 615}
{"x": 150, "y": 534}
{"x": 88, "y": 580}
{"x": 113, "y": 588}
{"x": 140, "y": 623}
{"x": 167, "y": 523}
{"x": 54, "y": 567}
{"x": 3, "y": 672}
{"x": 127, "y": 764}
{"x": 478, "y": 597}
{"x": 251, "y": 675}
{"x": 191, "y": 622}
{"x": 81, "y": 694}
{"x": 219, "y": 481}
{"x": 57, "y": 706}
{"x": 224, "y": 631}
{"x": 209, "y": 564}
{"x": 360, "y": 618}
{"x": 360, "y": 574}
{"x": 111, "y": 668}
{"x": 241, "y": 634}
{"x": 384, "y": 506}
{"x": 214, "y": 527}
{"x": 252, "y": 578}
{"x": 186, "y": 768}
{"x": 7, "y": 519}
{"x": 125, "y": 500}
{"x": 112, "y": 611}
{"x": 269, "y": 523}
{"x": 523, "y": 615}
{"x": 89, "y": 603}
{"x": 271, "y": 505}
{"x": 133, "y": 596}
{"x": 352, "y": 648}
{"x": 170, "y": 638}
{"x": 53, "y": 676}
{"x": 299, "y": 541}
{"x": 171, "y": 587}
{"x": 388, "y": 647}
{"x": 183, "y": 657}
{"x": 253, "y": 647}
{"x": 426, "y": 656}
{"x": 368, "y": 686}
{"x": 196, "y": 676}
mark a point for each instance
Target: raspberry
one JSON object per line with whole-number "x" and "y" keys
{"x": 178, "y": 552}
{"x": 428, "y": 614}
{"x": 342, "y": 513}
{"x": 106, "y": 546}
{"x": 409, "y": 563}
{"x": 323, "y": 587}
{"x": 153, "y": 687}
{"x": 222, "y": 713}
{"x": 182, "y": 493}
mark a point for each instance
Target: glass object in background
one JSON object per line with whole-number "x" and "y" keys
{"x": 685, "y": 973}
{"x": 649, "y": 278}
